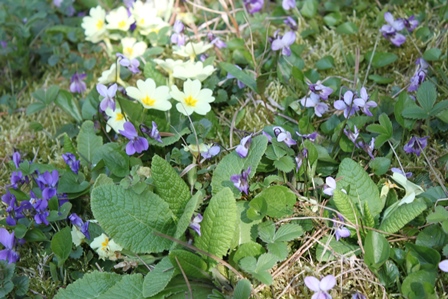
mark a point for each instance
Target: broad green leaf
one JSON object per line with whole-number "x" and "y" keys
{"x": 233, "y": 164}
{"x": 325, "y": 63}
{"x": 377, "y": 250}
{"x": 185, "y": 219}
{"x": 346, "y": 206}
{"x": 288, "y": 232}
{"x": 333, "y": 249}
{"x": 169, "y": 186}
{"x": 381, "y": 79}
{"x": 266, "y": 231}
{"x": 432, "y": 236}
{"x": 178, "y": 289}
{"x": 157, "y": 279}
{"x": 87, "y": 142}
{"x": 242, "y": 290}
{"x": 141, "y": 217}
{"x": 150, "y": 71}
{"x": 427, "y": 95}
{"x": 414, "y": 112}
{"x": 368, "y": 219}
{"x": 21, "y": 285}
{"x": 34, "y": 107}
{"x": 245, "y": 230}
{"x": 381, "y": 59}
{"x": 92, "y": 285}
{"x": 309, "y": 8}
{"x": 347, "y": 28}
{"x": 439, "y": 107}
{"x": 35, "y": 235}
{"x": 432, "y": 54}
{"x": 115, "y": 158}
{"x": 440, "y": 214}
{"x": 333, "y": 18}
{"x": 218, "y": 224}
{"x": 428, "y": 258}
{"x": 361, "y": 186}
{"x": 248, "y": 249}
{"x": 401, "y": 216}
{"x": 419, "y": 284}
{"x": 61, "y": 244}
{"x": 380, "y": 165}
{"x": 384, "y": 129}
{"x": 279, "y": 201}
{"x": 191, "y": 264}
{"x": 285, "y": 164}
{"x": 279, "y": 250}
{"x": 259, "y": 267}
{"x": 239, "y": 75}
{"x": 129, "y": 287}
{"x": 46, "y": 96}
{"x": 68, "y": 103}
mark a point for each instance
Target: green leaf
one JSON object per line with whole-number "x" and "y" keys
{"x": 248, "y": 249}
{"x": 279, "y": 250}
{"x": 380, "y": 165}
{"x": 438, "y": 108}
{"x": 61, "y": 244}
{"x": 35, "y": 235}
{"x": 157, "y": 279}
{"x": 178, "y": 289}
{"x": 432, "y": 236}
{"x": 266, "y": 231}
{"x": 239, "y": 75}
{"x": 325, "y": 63}
{"x": 242, "y": 290}
{"x": 285, "y": 164}
{"x": 88, "y": 142}
{"x": 332, "y": 250}
{"x": 218, "y": 224}
{"x": 288, "y": 232}
{"x": 141, "y": 217}
{"x": 233, "y": 164}
{"x": 432, "y": 54}
{"x": 440, "y": 214}
{"x": 419, "y": 284}
{"x": 401, "y": 216}
{"x": 414, "y": 112}
{"x": 185, "y": 219}
{"x": 150, "y": 71}
{"x": 346, "y": 206}
{"x": 381, "y": 79}
{"x": 384, "y": 129}
{"x": 245, "y": 230}
{"x": 347, "y": 28}
{"x": 34, "y": 107}
{"x": 381, "y": 59}
{"x": 309, "y": 8}
{"x": 428, "y": 258}
{"x": 279, "y": 201}
{"x": 46, "y": 96}
{"x": 66, "y": 101}
{"x": 377, "y": 250}
{"x": 368, "y": 219}
{"x": 99, "y": 284}
{"x": 114, "y": 157}
{"x": 361, "y": 186}
{"x": 259, "y": 268}
{"x": 427, "y": 95}
{"x": 170, "y": 187}
{"x": 192, "y": 265}
{"x": 21, "y": 285}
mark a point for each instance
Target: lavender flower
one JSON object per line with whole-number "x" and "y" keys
{"x": 419, "y": 75}
{"x": 368, "y": 148}
{"x": 253, "y": 6}
{"x": 283, "y": 43}
{"x": 416, "y": 145}
{"x": 9, "y": 242}
{"x": 321, "y": 287}
{"x": 72, "y": 162}
{"x": 390, "y": 31}
{"x": 288, "y": 4}
{"x": 398, "y": 170}
{"x": 364, "y": 103}
{"x": 291, "y": 23}
{"x": 443, "y": 265}
{"x": 299, "y": 158}
{"x": 195, "y": 224}
{"x": 330, "y": 186}
{"x": 178, "y": 36}
{"x": 47, "y": 182}
{"x": 314, "y": 101}
{"x": 16, "y": 159}
{"x": 320, "y": 89}
{"x": 358, "y": 295}
{"x": 136, "y": 144}
{"x": 353, "y": 136}
{"x": 216, "y": 41}
{"x": 131, "y": 64}
{"x": 410, "y": 23}
{"x": 210, "y": 152}
{"x": 311, "y": 137}
{"x": 341, "y": 231}
{"x": 241, "y": 181}
{"x": 243, "y": 148}
{"x": 83, "y": 226}
{"x": 42, "y": 213}
{"x": 17, "y": 179}
{"x": 284, "y": 136}
{"x": 347, "y": 105}
{"x": 75, "y": 219}
{"x": 155, "y": 134}
{"x": 77, "y": 84}
{"x": 108, "y": 95}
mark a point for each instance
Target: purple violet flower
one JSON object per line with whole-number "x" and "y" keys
{"x": 108, "y": 95}
{"x": 178, "y": 36}
{"x": 410, "y": 23}
{"x": 75, "y": 219}
{"x": 364, "y": 103}
{"x": 241, "y": 181}
{"x": 320, "y": 287}
{"x": 243, "y": 148}
{"x": 341, "y": 232}
{"x": 320, "y": 89}
{"x": 347, "y": 105}
{"x": 131, "y": 64}
{"x": 419, "y": 75}
{"x": 398, "y": 170}
{"x": 72, "y": 162}
{"x": 358, "y": 295}
{"x": 216, "y": 41}
{"x": 253, "y": 6}
{"x": 311, "y": 137}
{"x": 314, "y": 101}
{"x": 47, "y": 182}
{"x": 416, "y": 145}
{"x": 42, "y": 213}
{"x": 284, "y": 136}
{"x": 16, "y": 159}
{"x": 152, "y": 133}
{"x": 195, "y": 224}
{"x": 17, "y": 179}
{"x": 129, "y": 3}
{"x": 330, "y": 186}
{"x": 390, "y": 30}
{"x": 288, "y": 4}
{"x": 210, "y": 152}
{"x": 352, "y": 136}
{"x": 443, "y": 265}
{"x": 283, "y": 43}
{"x": 77, "y": 84}
{"x": 136, "y": 144}
{"x": 291, "y": 23}
{"x": 368, "y": 148}
{"x": 9, "y": 242}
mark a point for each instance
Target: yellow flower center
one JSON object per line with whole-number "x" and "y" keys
{"x": 190, "y": 101}
{"x": 119, "y": 116}
{"x": 105, "y": 243}
{"x": 99, "y": 24}
{"x": 148, "y": 101}
{"x": 128, "y": 51}
{"x": 122, "y": 24}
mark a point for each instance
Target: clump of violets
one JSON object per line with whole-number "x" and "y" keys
{"x": 131, "y": 64}
{"x": 136, "y": 143}
{"x": 241, "y": 181}
{"x": 416, "y": 145}
{"x": 320, "y": 287}
{"x": 392, "y": 30}
{"x": 72, "y": 162}
{"x": 77, "y": 84}
{"x": 419, "y": 75}
{"x": 283, "y": 42}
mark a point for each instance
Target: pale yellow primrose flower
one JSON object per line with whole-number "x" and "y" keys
{"x": 193, "y": 70}
{"x": 94, "y": 24}
{"x": 150, "y": 96}
{"x": 192, "y": 49}
{"x": 119, "y": 19}
{"x": 105, "y": 247}
{"x": 193, "y": 98}
{"x": 168, "y": 65}
{"x": 116, "y": 119}
{"x": 132, "y": 48}
{"x": 109, "y": 75}
{"x": 146, "y": 18}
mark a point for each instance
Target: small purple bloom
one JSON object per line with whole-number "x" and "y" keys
{"x": 210, "y": 152}
{"x": 253, "y": 6}
{"x": 330, "y": 186}
{"x": 284, "y": 136}
{"x": 178, "y": 36}
{"x": 9, "y": 242}
{"x": 152, "y": 133}
{"x": 195, "y": 224}
{"x": 353, "y": 136}
{"x": 288, "y": 4}
{"x": 17, "y": 179}
{"x": 128, "y": 3}
{"x": 47, "y": 182}
{"x": 364, "y": 103}
{"x": 283, "y": 43}
{"x": 398, "y": 170}
{"x": 314, "y": 101}
{"x": 390, "y": 31}
{"x": 320, "y": 89}
{"x": 108, "y": 95}
{"x": 85, "y": 229}
{"x": 238, "y": 82}
{"x": 320, "y": 287}
{"x": 419, "y": 75}
{"x": 57, "y": 3}
{"x": 347, "y": 105}
{"x": 341, "y": 232}
{"x": 130, "y": 64}
{"x": 311, "y": 137}
{"x": 243, "y": 148}
{"x": 367, "y": 147}
{"x": 136, "y": 144}
{"x": 72, "y": 162}
{"x": 75, "y": 219}
{"x": 291, "y": 23}
{"x": 77, "y": 84}
{"x": 410, "y": 23}
{"x": 241, "y": 181}
{"x": 16, "y": 159}
{"x": 358, "y": 295}
{"x": 416, "y": 145}
{"x": 443, "y": 265}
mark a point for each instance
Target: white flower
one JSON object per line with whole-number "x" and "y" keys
{"x": 193, "y": 70}
{"x": 116, "y": 119}
{"x": 169, "y": 64}
{"x": 94, "y": 24}
{"x": 132, "y": 48}
{"x": 109, "y": 76}
{"x": 150, "y": 96}
{"x": 193, "y": 98}
{"x": 146, "y": 17}
{"x": 192, "y": 49}
{"x": 119, "y": 19}
{"x": 105, "y": 247}
{"x": 77, "y": 236}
